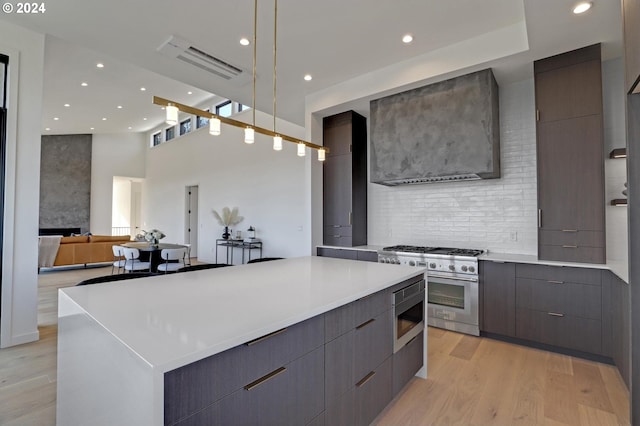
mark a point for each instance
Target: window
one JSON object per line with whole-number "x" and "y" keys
{"x": 185, "y": 126}
{"x": 169, "y": 133}
{"x": 157, "y": 139}
{"x": 202, "y": 121}
{"x": 242, "y": 107}
{"x": 224, "y": 109}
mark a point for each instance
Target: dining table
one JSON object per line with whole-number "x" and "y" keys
{"x": 151, "y": 252}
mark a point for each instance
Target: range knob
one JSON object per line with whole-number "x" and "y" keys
{"x": 397, "y": 261}
{"x": 452, "y": 267}
{"x": 472, "y": 269}
{"x": 464, "y": 268}
{"x": 387, "y": 260}
{"x": 412, "y": 263}
{"x": 381, "y": 260}
{"x": 432, "y": 265}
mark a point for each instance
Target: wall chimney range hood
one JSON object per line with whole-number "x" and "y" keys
{"x": 443, "y": 132}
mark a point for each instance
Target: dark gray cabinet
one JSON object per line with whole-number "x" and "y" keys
{"x": 631, "y": 17}
{"x": 407, "y": 362}
{"x": 570, "y": 158}
{"x": 560, "y": 306}
{"x": 498, "y": 284}
{"x": 372, "y": 392}
{"x": 363, "y": 255}
{"x": 616, "y": 329}
{"x": 345, "y": 180}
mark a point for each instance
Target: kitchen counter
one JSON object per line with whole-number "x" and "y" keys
{"x": 116, "y": 340}
{"x": 618, "y": 268}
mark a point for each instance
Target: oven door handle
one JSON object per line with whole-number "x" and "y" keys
{"x": 446, "y": 280}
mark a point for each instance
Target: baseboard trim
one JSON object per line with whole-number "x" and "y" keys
{"x": 23, "y": 338}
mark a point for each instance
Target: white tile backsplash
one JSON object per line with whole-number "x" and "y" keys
{"x": 500, "y": 214}
{"x": 495, "y": 214}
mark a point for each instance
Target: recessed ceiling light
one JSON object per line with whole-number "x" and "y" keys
{"x": 47, "y": 128}
{"x": 162, "y": 108}
{"x": 244, "y": 41}
{"x": 67, "y": 105}
{"x": 407, "y": 38}
{"x": 104, "y": 118}
{"x": 130, "y": 127}
{"x": 308, "y": 77}
{"x": 119, "y": 106}
{"x": 189, "y": 93}
{"x": 582, "y": 7}
{"x": 56, "y": 118}
{"x": 100, "y": 65}
{"x": 92, "y": 128}
{"x": 145, "y": 119}
{"x": 83, "y": 84}
{"x": 142, "y": 89}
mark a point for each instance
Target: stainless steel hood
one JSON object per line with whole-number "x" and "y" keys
{"x": 447, "y": 131}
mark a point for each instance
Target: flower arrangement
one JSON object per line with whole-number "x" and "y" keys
{"x": 153, "y": 236}
{"x": 229, "y": 217}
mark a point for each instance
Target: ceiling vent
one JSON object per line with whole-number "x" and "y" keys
{"x": 183, "y": 50}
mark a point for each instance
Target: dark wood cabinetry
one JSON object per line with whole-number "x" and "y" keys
{"x": 616, "y": 329}
{"x": 499, "y": 297}
{"x": 364, "y": 255}
{"x": 345, "y": 180}
{"x": 631, "y": 19}
{"x": 570, "y": 158}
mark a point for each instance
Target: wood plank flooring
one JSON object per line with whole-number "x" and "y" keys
{"x": 472, "y": 380}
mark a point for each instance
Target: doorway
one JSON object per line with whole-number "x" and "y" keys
{"x": 191, "y": 219}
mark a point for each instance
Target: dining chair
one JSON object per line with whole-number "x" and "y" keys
{"x": 187, "y": 258}
{"x": 173, "y": 259}
{"x": 132, "y": 260}
{"x": 118, "y": 259}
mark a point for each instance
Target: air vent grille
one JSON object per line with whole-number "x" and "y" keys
{"x": 434, "y": 179}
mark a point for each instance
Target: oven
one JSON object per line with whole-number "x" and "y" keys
{"x": 453, "y": 304}
{"x": 408, "y": 313}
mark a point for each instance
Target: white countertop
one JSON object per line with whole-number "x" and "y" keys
{"x": 175, "y": 319}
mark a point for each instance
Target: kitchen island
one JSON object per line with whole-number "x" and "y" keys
{"x": 151, "y": 351}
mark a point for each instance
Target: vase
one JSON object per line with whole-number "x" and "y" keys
{"x": 226, "y": 234}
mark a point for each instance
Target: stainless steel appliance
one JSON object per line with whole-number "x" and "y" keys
{"x": 452, "y": 283}
{"x": 408, "y": 310}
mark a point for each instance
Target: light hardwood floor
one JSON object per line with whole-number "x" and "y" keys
{"x": 472, "y": 381}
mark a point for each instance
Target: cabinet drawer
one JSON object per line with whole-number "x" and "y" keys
{"x": 341, "y": 230}
{"x": 337, "y": 240}
{"x": 568, "y": 332}
{"x": 577, "y": 300}
{"x": 338, "y": 362}
{"x": 568, "y": 237}
{"x": 559, "y": 273}
{"x": 373, "y": 342}
{"x": 370, "y": 306}
{"x": 373, "y": 393}
{"x": 337, "y": 253}
{"x": 293, "y": 395}
{"x": 407, "y": 361}
{"x": 367, "y": 256}
{"x": 569, "y": 253}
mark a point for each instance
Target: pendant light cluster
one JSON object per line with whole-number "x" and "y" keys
{"x": 215, "y": 120}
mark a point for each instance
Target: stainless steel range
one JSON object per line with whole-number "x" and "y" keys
{"x": 452, "y": 289}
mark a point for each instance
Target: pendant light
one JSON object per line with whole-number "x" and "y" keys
{"x": 277, "y": 143}
{"x": 321, "y": 154}
{"x": 172, "y": 115}
{"x": 301, "y": 149}
{"x": 214, "y": 126}
{"x": 277, "y": 140}
{"x": 249, "y": 133}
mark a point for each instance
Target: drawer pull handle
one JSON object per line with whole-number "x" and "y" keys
{"x": 555, "y": 282}
{"x": 553, "y": 314}
{"x": 569, "y": 230}
{"x": 570, "y": 247}
{"x": 336, "y": 226}
{"x": 365, "y": 379}
{"x": 265, "y": 337}
{"x": 366, "y": 323}
{"x": 263, "y": 379}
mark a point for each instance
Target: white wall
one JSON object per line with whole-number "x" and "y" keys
{"x": 495, "y": 214}
{"x": 121, "y": 154}
{"x": 25, "y": 48}
{"x": 267, "y": 186}
{"x": 121, "y": 207}
{"x": 615, "y": 170}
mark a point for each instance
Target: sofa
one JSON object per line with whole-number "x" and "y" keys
{"x": 84, "y": 249}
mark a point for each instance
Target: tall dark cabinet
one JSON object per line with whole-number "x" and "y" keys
{"x": 571, "y": 220}
{"x": 345, "y": 180}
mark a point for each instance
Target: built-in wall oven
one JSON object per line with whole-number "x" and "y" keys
{"x": 408, "y": 310}
{"x": 452, "y": 284}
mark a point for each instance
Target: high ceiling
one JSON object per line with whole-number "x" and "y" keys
{"x": 332, "y": 40}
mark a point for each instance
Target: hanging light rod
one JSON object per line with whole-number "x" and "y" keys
{"x": 226, "y": 120}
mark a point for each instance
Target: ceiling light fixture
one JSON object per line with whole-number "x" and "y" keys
{"x": 308, "y": 77}
{"x": 100, "y": 65}
{"x": 55, "y": 119}
{"x": 407, "y": 38}
{"x": 189, "y": 92}
{"x": 142, "y": 89}
{"x": 250, "y": 130}
{"x": 83, "y": 84}
{"x": 47, "y": 128}
{"x": 582, "y": 7}
{"x": 119, "y": 107}
{"x": 244, "y": 41}
{"x": 104, "y": 118}
{"x": 67, "y": 105}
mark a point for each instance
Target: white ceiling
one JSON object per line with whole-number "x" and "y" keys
{"x": 334, "y": 40}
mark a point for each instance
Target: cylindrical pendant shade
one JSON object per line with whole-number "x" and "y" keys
{"x": 321, "y": 155}
{"x": 214, "y": 126}
{"x": 172, "y": 115}
{"x": 248, "y": 135}
{"x": 301, "y": 149}
{"x": 277, "y": 143}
